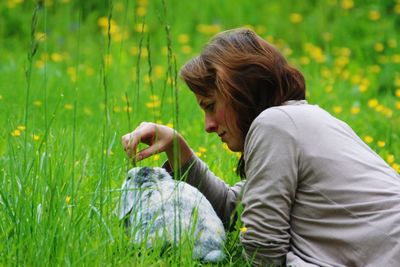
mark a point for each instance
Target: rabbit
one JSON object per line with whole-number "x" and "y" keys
{"x": 153, "y": 205}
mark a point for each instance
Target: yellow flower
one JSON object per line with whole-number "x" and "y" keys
{"x": 153, "y": 104}
{"x": 243, "y": 229}
{"x": 397, "y": 8}
{"x": 40, "y": 36}
{"x": 183, "y": 38}
{"x": 390, "y": 158}
{"x": 202, "y": 149}
{"x": 374, "y": 15}
{"x": 398, "y": 104}
{"x": 141, "y": 11}
{"x": 159, "y": 71}
{"x": 186, "y": 49}
{"x": 208, "y": 29}
{"x": 337, "y": 109}
{"x": 198, "y": 154}
{"x": 87, "y": 111}
{"x": 69, "y": 106}
{"x": 392, "y": 43}
{"x": 381, "y": 143}
{"x": 21, "y": 127}
{"x": 304, "y": 60}
{"x": 296, "y": 18}
{"x": 56, "y": 57}
{"x": 141, "y": 27}
{"x": 116, "y": 109}
{"x": 396, "y": 167}
{"x": 379, "y": 47}
{"x": 347, "y": 4}
{"x": 67, "y": 200}
{"x": 71, "y": 71}
{"x": 170, "y": 125}
{"x": 368, "y": 139}
{"x": 355, "y": 110}
{"x": 37, "y": 103}
{"x": 156, "y": 157}
{"x": 16, "y": 133}
{"x": 373, "y": 103}
{"x": 35, "y": 137}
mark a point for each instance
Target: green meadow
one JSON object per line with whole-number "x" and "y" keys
{"x": 77, "y": 75}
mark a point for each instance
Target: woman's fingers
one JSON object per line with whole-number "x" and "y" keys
{"x": 145, "y": 133}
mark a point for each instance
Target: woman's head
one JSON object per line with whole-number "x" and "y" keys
{"x": 247, "y": 72}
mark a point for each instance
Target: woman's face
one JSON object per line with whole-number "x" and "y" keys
{"x": 220, "y": 118}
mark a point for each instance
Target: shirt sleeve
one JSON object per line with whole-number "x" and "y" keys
{"x": 271, "y": 165}
{"x": 222, "y": 197}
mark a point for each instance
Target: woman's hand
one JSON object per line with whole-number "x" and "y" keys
{"x": 159, "y": 138}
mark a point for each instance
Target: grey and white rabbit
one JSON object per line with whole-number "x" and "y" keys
{"x": 154, "y": 205}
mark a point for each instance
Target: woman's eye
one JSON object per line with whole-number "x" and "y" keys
{"x": 209, "y": 107}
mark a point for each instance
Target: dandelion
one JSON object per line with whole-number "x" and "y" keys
{"x": 21, "y": 127}
{"x": 304, "y": 60}
{"x": 374, "y": 69}
{"x": 71, "y": 71}
{"x": 396, "y": 167}
{"x": 296, "y": 18}
{"x": 87, "y": 111}
{"x": 39, "y": 64}
{"x": 372, "y": 103}
{"x": 40, "y": 36}
{"x": 397, "y": 8}
{"x": 156, "y": 157}
{"x": 378, "y": 47}
{"x": 107, "y": 59}
{"x": 183, "y": 38}
{"x": 390, "y": 158}
{"x": 397, "y": 93}
{"x": 337, "y": 109}
{"x": 159, "y": 71}
{"x": 139, "y": 27}
{"x": 127, "y": 109}
{"x": 202, "y": 149}
{"x": 141, "y": 11}
{"x": 69, "y": 106}
{"x": 208, "y": 29}
{"x": 396, "y": 58}
{"x": 37, "y": 103}
{"x": 35, "y": 137}
{"x": 398, "y": 104}
{"x": 347, "y": 4}
{"x": 243, "y": 229}
{"x": 355, "y": 110}
{"x": 327, "y": 36}
{"x": 374, "y": 15}
{"x": 116, "y": 109}
{"x": 381, "y": 143}
{"x": 198, "y": 154}
{"x": 392, "y": 43}
{"x": 153, "y": 104}
{"x": 16, "y": 133}
{"x": 170, "y": 125}
{"x": 186, "y": 49}
{"x": 67, "y": 199}
{"x": 368, "y": 139}
{"x": 56, "y": 57}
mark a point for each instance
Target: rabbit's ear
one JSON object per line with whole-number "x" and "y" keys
{"x": 127, "y": 200}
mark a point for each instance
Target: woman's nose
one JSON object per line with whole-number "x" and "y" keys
{"x": 210, "y": 124}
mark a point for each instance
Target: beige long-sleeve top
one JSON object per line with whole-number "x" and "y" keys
{"x": 315, "y": 193}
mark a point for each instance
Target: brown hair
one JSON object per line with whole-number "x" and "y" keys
{"x": 247, "y": 71}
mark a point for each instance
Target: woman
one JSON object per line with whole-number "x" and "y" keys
{"x": 314, "y": 194}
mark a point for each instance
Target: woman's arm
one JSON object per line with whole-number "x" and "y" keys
{"x": 271, "y": 157}
{"x": 222, "y": 197}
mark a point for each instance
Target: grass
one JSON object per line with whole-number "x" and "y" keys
{"x": 77, "y": 76}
